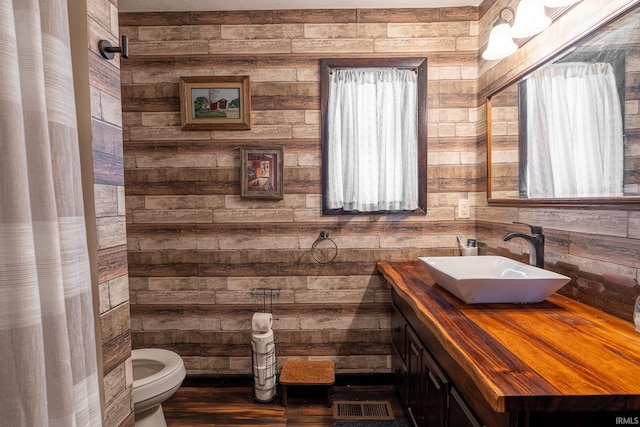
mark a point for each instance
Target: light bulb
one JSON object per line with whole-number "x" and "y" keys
{"x": 530, "y": 19}
{"x": 500, "y": 43}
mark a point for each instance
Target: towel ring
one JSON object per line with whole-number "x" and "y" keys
{"x": 324, "y": 252}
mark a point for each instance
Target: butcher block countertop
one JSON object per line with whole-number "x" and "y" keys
{"x": 559, "y": 354}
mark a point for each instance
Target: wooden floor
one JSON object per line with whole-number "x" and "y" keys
{"x": 234, "y": 406}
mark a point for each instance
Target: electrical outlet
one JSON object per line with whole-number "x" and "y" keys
{"x": 463, "y": 208}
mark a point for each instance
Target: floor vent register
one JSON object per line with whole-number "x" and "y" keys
{"x": 362, "y": 410}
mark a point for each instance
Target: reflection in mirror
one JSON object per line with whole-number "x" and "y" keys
{"x": 571, "y": 128}
{"x": 373, "y": 135}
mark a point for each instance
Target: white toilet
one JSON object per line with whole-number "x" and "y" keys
{"x": 157, "y": 374}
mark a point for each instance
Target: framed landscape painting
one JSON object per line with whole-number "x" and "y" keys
{"x": 261, "y": 172}
{"x": 215, "y": 103}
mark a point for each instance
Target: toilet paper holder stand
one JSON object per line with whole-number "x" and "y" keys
{"x": 263, "y": 351}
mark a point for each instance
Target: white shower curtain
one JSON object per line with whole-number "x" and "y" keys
{"x": 581, "y": 154}
{"x": 373, "y": 140}
{"x": 48, "y": 367}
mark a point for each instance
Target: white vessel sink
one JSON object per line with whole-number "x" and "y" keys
{"x": 493, "y": 279}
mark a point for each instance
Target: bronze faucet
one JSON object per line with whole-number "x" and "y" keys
{"x": 535, "y": 241}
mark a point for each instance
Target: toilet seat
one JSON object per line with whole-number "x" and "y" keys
{"x": 166, "y": 378}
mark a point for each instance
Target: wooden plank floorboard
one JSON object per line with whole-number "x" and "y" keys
{"x": 234, "y": 406}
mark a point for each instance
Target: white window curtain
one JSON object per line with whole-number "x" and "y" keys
{"x": 373, "y": 140}
{"x": 48, "y": 367}
{"x": 575, "y": 142}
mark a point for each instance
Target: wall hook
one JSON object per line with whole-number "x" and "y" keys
{"x": 107, "y": 51}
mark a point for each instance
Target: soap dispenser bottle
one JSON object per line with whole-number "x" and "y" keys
{"x": 636, "y": 314}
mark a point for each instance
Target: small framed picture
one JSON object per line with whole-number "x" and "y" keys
{"x": 261, "y": 172}
{"x": 212, "y": 103}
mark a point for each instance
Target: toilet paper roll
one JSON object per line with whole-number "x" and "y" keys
{"x": 262, "y": 343}
{"x": 264, "y": 377}
{"x": 261, "y": 322}
{"x": 265, "y": 395}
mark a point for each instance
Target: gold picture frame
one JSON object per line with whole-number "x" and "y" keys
{"x": 261, "y": 173}
{"x": 215, "y": 103}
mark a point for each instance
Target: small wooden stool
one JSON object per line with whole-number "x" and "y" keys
{"x": 307, "y": 372}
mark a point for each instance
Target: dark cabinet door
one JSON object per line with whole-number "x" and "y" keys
{"x": 427, "y": 386}
{"x": 460, "y": 415}
{"x": 399, "y": 352}
{"x": 398, "y": 333}
{"x": 435, "y": 393}
{"x": 400, "y": 373}
{"x": 414, "y": 377}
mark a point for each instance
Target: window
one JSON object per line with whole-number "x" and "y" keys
{"x": 374, "y": 135}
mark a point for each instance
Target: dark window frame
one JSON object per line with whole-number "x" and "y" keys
{"x": 419, "y": 65}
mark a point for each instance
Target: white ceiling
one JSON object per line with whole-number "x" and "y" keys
{"x": 208, "y": 5}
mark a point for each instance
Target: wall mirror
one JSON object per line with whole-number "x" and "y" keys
{"x": 568, "y": 132}
{"x": 374, "y": 137}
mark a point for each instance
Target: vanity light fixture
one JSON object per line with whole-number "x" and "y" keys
{"x": 530, "y": 19}
{"x": 501, "y": 43}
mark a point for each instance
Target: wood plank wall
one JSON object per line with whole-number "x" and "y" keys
{"x": 599, "y": 249}
{"x": 197, "y": 249}
{"x": 109, "y": 208}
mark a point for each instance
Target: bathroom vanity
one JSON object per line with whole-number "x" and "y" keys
{"x": 553, "y": 363}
